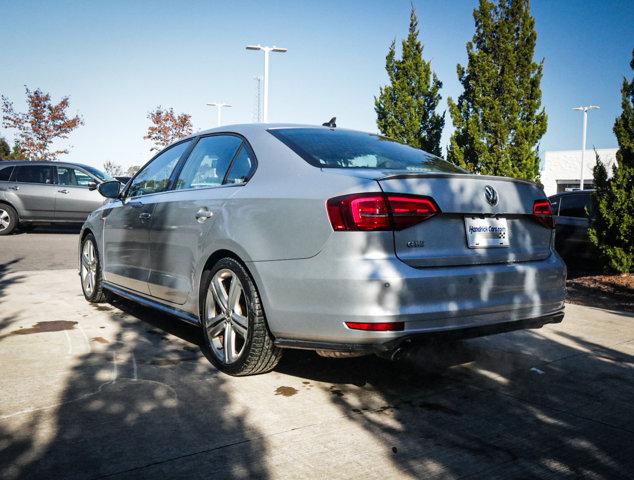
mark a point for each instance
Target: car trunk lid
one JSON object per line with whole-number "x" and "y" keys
{"x": 443, "y": 240}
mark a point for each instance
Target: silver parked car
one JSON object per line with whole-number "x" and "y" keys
{"x": 284, "y": 236}
{"x": 47, "y": 192}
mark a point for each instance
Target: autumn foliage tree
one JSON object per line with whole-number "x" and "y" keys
{"x": 167, "y": 127}
{"x": 113, "y": 169}
{"x": 42, "y": 124}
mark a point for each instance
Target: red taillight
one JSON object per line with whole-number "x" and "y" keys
{"x": 407, "y": 211}
{"x": 378, "y": 211}
{"x": 543, "y": 213}
{"x": 377, "y": 327}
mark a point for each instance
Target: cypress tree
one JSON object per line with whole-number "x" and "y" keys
{"x": 498, "y": 117}
{"x": 612, "y": 225}
{"x": 406, "y": 108}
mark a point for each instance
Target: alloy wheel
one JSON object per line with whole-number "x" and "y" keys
{"x": 88, "y": 267}
{"x": 5, "y": 220}
{"x": 227, "y": 316}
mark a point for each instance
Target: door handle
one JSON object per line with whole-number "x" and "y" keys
{"x": 64, "y": 191}
{"x": 145, "y": 216}
{"x": 14, "y": 187}
{"x": 203, "y": 214}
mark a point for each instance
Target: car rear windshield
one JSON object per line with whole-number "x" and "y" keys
{"x": 331, "y": 148}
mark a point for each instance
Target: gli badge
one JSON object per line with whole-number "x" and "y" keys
{"x": 416, "y": 244}
{"x": 491, "y": 195}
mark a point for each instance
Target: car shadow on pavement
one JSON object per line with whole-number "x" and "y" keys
{"x": 477, "y": 407}
{"x": 142, "y": 404}
{"x": 38, "y": 229}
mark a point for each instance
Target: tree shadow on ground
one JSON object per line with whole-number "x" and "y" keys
{"x": 145, "y": 403}
{"x": 7, "y": 278}
{"x": 489, "y": 408}
{"x": 5, "y": 270}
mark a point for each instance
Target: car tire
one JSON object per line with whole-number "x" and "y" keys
{"x": 90, "y": 271}
{"x": 8, "y": 219}
{"x": 235, "y": 329}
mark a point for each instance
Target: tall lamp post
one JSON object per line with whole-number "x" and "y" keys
{"x": 266, "y": 51}
{"x": 220, "y": 106}
{"x": 584, "y": 109}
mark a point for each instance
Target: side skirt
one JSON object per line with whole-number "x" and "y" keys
{"x": 146, "y": 302}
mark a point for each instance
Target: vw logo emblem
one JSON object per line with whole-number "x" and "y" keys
{"x": 491, "y": 195}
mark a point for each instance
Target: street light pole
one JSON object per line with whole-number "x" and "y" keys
{"x": 584, "y": 109}
{"x": 219, "y": 105}
{"x": 266, "y": 51}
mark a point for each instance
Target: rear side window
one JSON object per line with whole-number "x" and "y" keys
{"x": 242, "y": 167}
{"x": 73, "y": 177}
{"x": 34, "y": 174}
{"x": 331, "y": 148}
{"x": 5, "y": 173}
{"x": 574, "y": 205}
{"x": 208, "y": 163}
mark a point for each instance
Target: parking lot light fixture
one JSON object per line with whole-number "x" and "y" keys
{"x": 220, "y": 106}
{"x": 266, "y": 51}
{"x": 584, "y": 109}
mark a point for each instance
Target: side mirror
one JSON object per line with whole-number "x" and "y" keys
{"x": 92, "y": 186}
{"x": 110, "y": 189}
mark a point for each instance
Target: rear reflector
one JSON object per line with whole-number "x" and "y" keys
{"x": 377, "y": 327}
{"x": 543, "y": 213}
{"x": 379, "y": 211}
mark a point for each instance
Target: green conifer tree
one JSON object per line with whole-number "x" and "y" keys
{"x": 498, "y": 118}
{"x": 612, "y": 225}
{"x": 406, "y": 108}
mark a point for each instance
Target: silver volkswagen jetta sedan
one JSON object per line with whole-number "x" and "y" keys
{"x": 287, "y": 236}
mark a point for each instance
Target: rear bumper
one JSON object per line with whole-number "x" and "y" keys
{"x": 410, "y": 339}
{"x": 308, "y": 301}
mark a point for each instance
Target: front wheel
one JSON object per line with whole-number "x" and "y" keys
{"x": 233, "y": 321}
{"x": 8, "y": 219}
{"x": 90, "y": 271}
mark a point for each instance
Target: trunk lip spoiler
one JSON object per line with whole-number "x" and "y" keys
{"x": 402, "y": 176}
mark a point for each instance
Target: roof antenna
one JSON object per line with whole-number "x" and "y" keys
{"x": 330, "y": 123}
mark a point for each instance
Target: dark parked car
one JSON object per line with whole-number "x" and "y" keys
{"x": 572, "y": 211}
{"x": 123, "y": 179}
{"x": 47, "y": 192}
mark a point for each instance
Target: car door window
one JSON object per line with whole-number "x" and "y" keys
{"x": 73, "y": 177}
{"x": 573, "y": 206}
{"x": 156, "y": 175}
{"x": 208, "y": 163}
{"x": 34, "y": 174}
{"x": 5, "y": 174}
{"x": 242, "y": 167}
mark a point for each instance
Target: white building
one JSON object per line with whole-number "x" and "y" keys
{"x": 561, "y": 170}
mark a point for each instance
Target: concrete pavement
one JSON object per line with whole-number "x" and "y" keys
{"x": 119, "y": 391}
{"x": 43, "y": 248}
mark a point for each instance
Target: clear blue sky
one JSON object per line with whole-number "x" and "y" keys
{"x": 117, "y": 60}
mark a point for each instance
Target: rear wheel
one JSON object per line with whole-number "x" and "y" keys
{"x": 234, "y": 325}
{"x": 90, "y": 271}
{"x": 8, "y": 219}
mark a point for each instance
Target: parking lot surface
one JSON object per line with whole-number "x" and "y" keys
{"x": 118, "y": 391}
{"x": 44, "y": 248}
